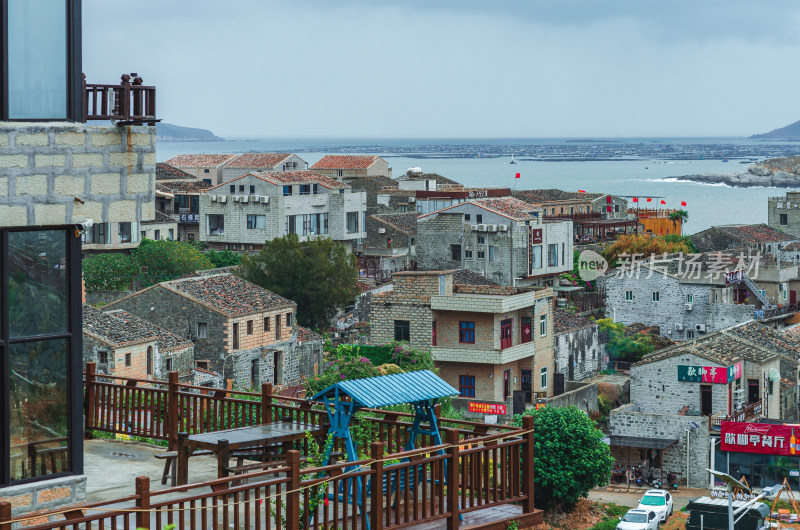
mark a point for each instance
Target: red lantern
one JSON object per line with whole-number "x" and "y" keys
{"x": 636, "y": 199}
{"x": 608, "y": 199}
{"x": 683, "y": 203}
{"x": 517, "y": 175}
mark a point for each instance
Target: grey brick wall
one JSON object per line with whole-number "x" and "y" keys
{"x": 584, "y": 346}
{"x": 296, "y": 362}
{"x": 788, "y": 205}
{"x": 67, "y": 173}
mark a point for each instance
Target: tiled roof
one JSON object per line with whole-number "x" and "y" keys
{"x": 508, "y": 206}
{"x": 564, "y": 321}
{"x": 306, "y": 335}
{"x": 373, "y": 183}
{"x": 536, "y": 196}
{"x": 168, "y": 172}
{"x": 686, "y": 266}
{"x": 759, "y": 233}
{"x": 198, "y": 160}
{"x": 440, "y": 180}
{"x": 792, "y": 246}
{"x": 468, "y": 277}
{"x": 257, "y": 161}
{"x": 292, "y": 177}
{"x": 119, "y": 328}
{"x": 161, "y": 218}
{"x": 229, "y": 294}
{"x": 345, "y": 162}
{"x": 193, "y": 186}
{"x": 404, "y": 222}
{"x": 751, "y": 341}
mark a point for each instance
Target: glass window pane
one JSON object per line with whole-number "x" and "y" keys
{"x": 37, "y": 282}
{"x": 37, "y": 59}
{"x": 38, "y": 391}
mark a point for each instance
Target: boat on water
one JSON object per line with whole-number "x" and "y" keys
{"x": 512, "y": 160}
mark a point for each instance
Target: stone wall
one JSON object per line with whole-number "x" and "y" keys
{"x": 435, "y": 235}
{"x": 44, "y": 495}
{"x": 788, "y": 205}
{"x": 94, "y": 297}
{"x": 296, "y": 362}
{"x": 627, "y": 420}
{"x": 581, "y": 395}
{"x": 670, "y": 311}
{"x": 64, "y": 173}
{"x": 583, "y": 345}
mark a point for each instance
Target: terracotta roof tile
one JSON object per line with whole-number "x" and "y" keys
{"x": 194, "y": 186}
{"x": 118, "y": 328}
{"x": 161, "y": 218}
{"x": 292, "y": 177}
{"x": 345, "y": 162}
{"x": 200, "y": 160}
{"x": 507, "y": 206}
{"x": 758, "y": 233}
{"x": 257, "y": 161}
{"x": 564, "y": 321}
{"x": 230, "y": 294}
{"x": 306, "y": 335}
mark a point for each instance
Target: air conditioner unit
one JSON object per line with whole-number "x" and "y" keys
{"x": 412, "y": 199}
{"x": 243, "y": 198}
{"x": 491, "y": 228}
{"x": 222, "y": 198}
{"x": 213, "y": 198}
{"x": 236, "y": 198}
{"x": 678, "y": 327}
{"x": 255, "y": 198}
{"x": 700, "y": 327}
{"x": 688, "y": 307}
{"x": 482, "y": 228}
{"x": 264, "y": 199}
{"x": 474, "y": 228}
{"x": 502, "y": 228}
{"x": 381, "y": 230}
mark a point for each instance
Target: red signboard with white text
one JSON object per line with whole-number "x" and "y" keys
{"x": 487, "y": 408}
{"x": 761, "y": 438}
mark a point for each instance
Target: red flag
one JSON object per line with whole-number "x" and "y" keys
{"x": 581, "y": 191}
{"x": 517, "y": 175}
{"x": 663, "y": 201}
{"x": 649, "y": 199}
{"x": 683, "y": 203}
{"x": 608, "y": 208}
{"x": 636, "y": 199}
{"x": 608, "y": 199}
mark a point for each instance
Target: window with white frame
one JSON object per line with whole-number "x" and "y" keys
{"x": 543, "y": 325}
{"x": 543, "y": 377}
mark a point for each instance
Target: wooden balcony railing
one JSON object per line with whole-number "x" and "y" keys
{"x": 128, "y": 103}
{"x": 747, "y": 413}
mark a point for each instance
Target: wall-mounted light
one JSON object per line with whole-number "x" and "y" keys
{"x": 491, "y": 375}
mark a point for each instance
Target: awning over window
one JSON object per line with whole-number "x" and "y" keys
{"x": 642, "y": 443}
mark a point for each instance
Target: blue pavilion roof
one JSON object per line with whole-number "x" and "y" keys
{"x": 392, "y": 389}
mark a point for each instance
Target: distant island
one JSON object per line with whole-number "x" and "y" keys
{"x": 167, "y": 132}
{"x": 790, "y": 132}
{"x": 772, "y": 173}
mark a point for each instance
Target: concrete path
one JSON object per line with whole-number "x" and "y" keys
{"x": 681, "y": 496}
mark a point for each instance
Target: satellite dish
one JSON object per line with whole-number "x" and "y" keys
{"x": 729, "y": 480}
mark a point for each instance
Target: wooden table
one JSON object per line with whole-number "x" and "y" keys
{"x": 222, "y": 443}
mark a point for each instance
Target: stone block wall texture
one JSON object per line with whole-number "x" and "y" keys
{"x": 670, "y": 309}
{"x": 788, "y": 205}
{"x": 583, "y": 396}
{"x": 296, "y": 362}
{"x": 64, "y": 173}
{"x": 627, "y": 420}
{"x": 44, "y": 495}
{"x": 583, "y": 344}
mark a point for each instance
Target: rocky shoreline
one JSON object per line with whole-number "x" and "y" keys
{"x": 774, "y": 173}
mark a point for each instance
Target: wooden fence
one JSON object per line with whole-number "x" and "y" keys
{"x": 390, "y": 489}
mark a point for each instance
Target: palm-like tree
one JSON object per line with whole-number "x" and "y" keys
{"x": 679, "y": 215}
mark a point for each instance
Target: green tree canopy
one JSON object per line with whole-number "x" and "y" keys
{"x": 166, "y": 260}
{"x": 570, "y": 457}
{"x": 624, "y": 347}
{"x": 320, "y": 275}
{"x": 223, "y": 258}
{"x": 109, "y": 272}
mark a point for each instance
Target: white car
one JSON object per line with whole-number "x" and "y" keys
{"x": 637, "y": 519}
{"x": 659, "y": 501}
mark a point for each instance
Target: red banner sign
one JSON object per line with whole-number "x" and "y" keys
{"x": 761, "y": 438}
{"x": 487, "y": 408}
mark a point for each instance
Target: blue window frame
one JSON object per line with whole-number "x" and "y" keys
{"x": 466, "y": 385}
{"x": 287, "y": 190}
{"x": 466, "y": 332}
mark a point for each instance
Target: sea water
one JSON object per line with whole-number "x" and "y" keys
{"x": 707, "y": 204}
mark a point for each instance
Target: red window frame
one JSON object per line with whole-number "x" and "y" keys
{"x": 505, "y": 332}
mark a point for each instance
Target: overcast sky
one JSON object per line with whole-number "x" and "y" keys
{"x": 459, "y": 68}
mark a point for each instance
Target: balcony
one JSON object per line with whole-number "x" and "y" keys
{"x": 483, "y": 303}
{"x": 129, "y": 103}
{"x": 461, "y": 354}
{"x": 748, "y": 413}
{"x": 766, "y": 314}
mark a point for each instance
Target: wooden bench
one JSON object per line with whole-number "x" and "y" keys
{"x": 171, "y": 465}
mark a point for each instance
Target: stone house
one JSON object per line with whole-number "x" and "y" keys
{"x": 686, "y": 301}
{"x": 751, "y": 239}
{"x": 162, "y": 227}
{"x": 431, "y": 201}
{"x": 347, "y": 168}
{"x": 441, "y": 182}
{"x": 243, "y": 213}
{"x": 128, "y": 346}
{"x": 503, "y": 239}
{"x": 390, "y": 200}
{"x": 202, "y": 167}
{"x": 703, "y": 381}
{"x": 783, "y": 213}
{"x": 555, "y": 203}
{"x": 178, "y": 195}
{"x": 57, "y": 176}
{"x": 261, "y": 163}
{"x": 577, "y": 350}
{"x": 373, "y": 186}
{"x": 487, "y": 341}
{"x": 240, "y": 330}
{"x": 391, "y": 241}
